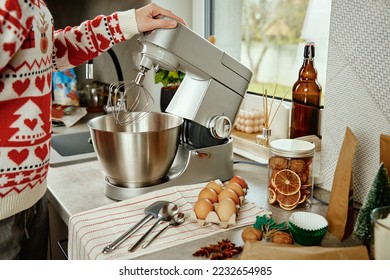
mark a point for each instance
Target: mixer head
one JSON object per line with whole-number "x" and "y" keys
{"x": 211, "y": 93}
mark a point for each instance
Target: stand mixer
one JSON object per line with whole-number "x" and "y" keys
{"x": 208, "y": 100}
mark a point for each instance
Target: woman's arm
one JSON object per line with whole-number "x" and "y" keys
{"x": 76, "y": 45}
{"x": 16, "y": 19}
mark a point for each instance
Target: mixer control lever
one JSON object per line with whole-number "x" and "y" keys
{"x": 220, "y": 127}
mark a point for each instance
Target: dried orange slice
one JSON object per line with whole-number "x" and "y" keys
{"x": 306, "y": 186}
{"x": 303, "y": 198}
{"x": 288, "y": 208}
{"x": 287, "y": 182}
{"x": 288, "y": 200}
{"x": 271, "y": 196}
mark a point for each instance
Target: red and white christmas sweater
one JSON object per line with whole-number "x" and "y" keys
{"x": 30, "y": 50}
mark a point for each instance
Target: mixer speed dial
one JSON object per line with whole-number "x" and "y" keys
{"x": 220, "y": 127}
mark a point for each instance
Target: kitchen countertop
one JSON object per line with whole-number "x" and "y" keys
{"x": 79, "y": 186}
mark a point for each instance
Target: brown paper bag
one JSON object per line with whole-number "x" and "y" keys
{"x": 385, "y": 151}
{"x": 340, "y": 214}
{"x": 258, "y": 250}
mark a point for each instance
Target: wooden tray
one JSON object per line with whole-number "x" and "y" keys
{"x": 245, "y": 145}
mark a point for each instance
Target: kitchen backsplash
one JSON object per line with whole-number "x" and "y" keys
{"x": 358, "y": 88}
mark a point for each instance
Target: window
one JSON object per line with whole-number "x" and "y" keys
{"x": 268, "y": 37}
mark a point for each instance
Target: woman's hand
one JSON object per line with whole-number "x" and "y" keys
{"x": 150, "y": 17}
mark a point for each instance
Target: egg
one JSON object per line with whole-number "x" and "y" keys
{"x": 228, "y": 193}
{"x": 225, "y": 209}
{"x": 236, "y": 188}
{"x": 202, "y": 208}
{"x": 217, "y": 187}
{"x": 208, "y": 193}
{"x": 238, "y": 179}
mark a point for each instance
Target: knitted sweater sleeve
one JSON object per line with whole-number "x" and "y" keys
{"x": 76, "y": 45}
{"x": 16, "y": 19}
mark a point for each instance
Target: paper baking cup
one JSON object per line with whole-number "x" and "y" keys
{"x": 307, "y": 228}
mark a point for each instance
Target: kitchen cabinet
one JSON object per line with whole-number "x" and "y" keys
{"x": 58, "y": 235}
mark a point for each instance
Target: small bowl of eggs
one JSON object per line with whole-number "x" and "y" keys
{"x": 219, "y": 202}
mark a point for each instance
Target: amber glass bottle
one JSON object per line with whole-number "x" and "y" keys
{"x": 306, "y": 97}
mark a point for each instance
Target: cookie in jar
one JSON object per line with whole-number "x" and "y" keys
{"x": 290, "y": 180}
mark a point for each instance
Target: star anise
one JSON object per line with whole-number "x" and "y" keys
{"x": 231, "y": 252}
{"x": 202, "y": 252}
{"x": 222, "y": 250}
{"x": 218, "y": 256}
{"x": 226, "y": 244}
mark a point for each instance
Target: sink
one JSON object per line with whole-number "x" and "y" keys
{"x": 72, "y": 147}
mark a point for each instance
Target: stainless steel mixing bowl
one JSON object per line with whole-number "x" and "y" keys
{"x": 136, "y": 155}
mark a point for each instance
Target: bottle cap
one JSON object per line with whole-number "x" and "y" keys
{"x": 309, "y": 50}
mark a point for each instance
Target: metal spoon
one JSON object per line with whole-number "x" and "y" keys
{"x": 166, "y": 213}
{"x": 175, "y": 221}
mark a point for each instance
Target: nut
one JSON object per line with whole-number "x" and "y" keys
{"x": 251, "y": 234}
{"x": 297, "y": 165}
{"x": 278, "y": 163}
{"x": 304, "y": 176}
{"x": 282, "y": 237}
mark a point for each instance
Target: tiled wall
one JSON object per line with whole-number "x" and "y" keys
{"x": 73, "y": 12}
{"x": 358, "y": 87}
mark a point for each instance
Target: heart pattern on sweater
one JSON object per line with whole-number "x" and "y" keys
{"x": 41, "y": 152}
{"x": 18, "y": 156}
{"x": 21, "y": 86}
{"x": 31, "y": 123}
{"x": 103, "y": 41}
{"x": 61, "y": 49}
{"x": 96, "y": 21}
{"x": 40, "y": 83}
{"x": 10, "y": 48}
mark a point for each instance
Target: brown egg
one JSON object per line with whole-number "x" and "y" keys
{"x": 215, "y": 186}
{"x": 202, "y": 208}
{"x": 226, "y": 208}
{"x": 239, "y": 180}
{"x": 208, "y": 193}
{"x": 228, "y": 193}
{"x": 236, "y": 188}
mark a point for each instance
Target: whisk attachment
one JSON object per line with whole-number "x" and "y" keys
{"x": 130, "y": 101}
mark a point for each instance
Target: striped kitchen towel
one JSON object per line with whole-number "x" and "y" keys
{"x": 91, "y": 231}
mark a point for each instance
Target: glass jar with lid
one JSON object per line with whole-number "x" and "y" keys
{"x": 290, "y": 180}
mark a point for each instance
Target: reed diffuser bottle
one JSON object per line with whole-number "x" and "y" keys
{"x": 306, "y": 97}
